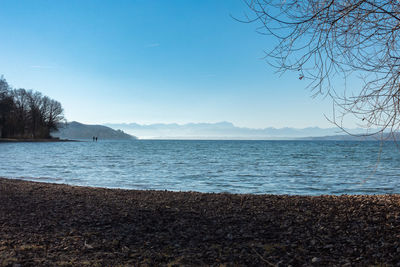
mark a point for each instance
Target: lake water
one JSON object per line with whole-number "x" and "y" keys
{"x": 259, "y": 167}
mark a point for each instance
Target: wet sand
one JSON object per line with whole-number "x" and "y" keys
{"x": 45, "y": 224}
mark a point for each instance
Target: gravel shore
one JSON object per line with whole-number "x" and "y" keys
{"x": 45, "y": 224}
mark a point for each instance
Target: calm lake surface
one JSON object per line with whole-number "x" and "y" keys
{"x": 259, "y": 167}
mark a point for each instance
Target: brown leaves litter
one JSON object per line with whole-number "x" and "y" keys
{"x": 48, "y": 224}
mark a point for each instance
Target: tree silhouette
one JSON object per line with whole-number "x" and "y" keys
{"x": 328, "y": 41}
{"x": 26, "y": 113}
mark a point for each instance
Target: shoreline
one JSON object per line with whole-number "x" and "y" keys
{"x": 55, "y": 224}
{"x": 17, "y": 140}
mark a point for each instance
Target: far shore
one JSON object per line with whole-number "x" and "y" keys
{"x": 45, "y": 224}
{"x": 36, "y": 140}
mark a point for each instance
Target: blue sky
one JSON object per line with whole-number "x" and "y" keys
{"x": 151, "y": 62}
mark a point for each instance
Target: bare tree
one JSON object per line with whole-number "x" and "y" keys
{"x": 27, "y": 114}
{"x": 347, "y": 49}
{"x": 21, "y": 111}
{"x": 52, "y": 113}
{"x": 6, "y": 106}
{"x": 35, "y": 101}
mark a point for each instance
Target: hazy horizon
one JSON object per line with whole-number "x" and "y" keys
{"x": 222, "y": 130}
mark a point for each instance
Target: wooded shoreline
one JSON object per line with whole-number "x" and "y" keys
{"x": 53, "y": 224}
{"x": 4, "y": 140}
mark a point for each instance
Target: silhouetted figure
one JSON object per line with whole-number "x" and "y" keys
{"x": 96, "y": 138}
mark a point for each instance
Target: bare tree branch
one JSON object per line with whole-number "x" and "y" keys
{"x": 325, "y": 41}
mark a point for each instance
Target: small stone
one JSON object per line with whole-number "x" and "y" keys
{"x": 88, "y": 246}
{"x": 315, "y": 260}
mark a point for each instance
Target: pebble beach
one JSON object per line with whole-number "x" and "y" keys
{"x": 43, "y": 224}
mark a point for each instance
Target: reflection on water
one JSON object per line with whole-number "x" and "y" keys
{"x": 260, "y": 167}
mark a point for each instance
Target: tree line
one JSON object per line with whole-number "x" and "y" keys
{"x": 27, "y": 113}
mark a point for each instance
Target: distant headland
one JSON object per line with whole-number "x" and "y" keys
{"x": 75, "y": 130}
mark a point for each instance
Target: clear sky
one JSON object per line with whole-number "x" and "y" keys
{"x": 151, "y": 62}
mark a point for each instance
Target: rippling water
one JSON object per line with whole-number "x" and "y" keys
{"x": 259, "y": 167}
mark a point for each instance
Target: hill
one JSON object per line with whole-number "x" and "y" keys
{"x": 76, "y": 130}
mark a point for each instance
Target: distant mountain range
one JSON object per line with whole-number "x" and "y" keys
{"x": 76, "y": 130}
{"x": 226, "y": 130}
{"x": 376, "y": 137}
